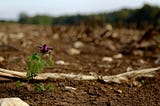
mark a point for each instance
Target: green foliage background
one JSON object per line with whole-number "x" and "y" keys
{"x": 136, "y": 18}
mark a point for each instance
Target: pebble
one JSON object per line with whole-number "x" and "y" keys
{"x": 69, "y": 88}
{"x": 138, "y": 52}
{"x": 118, "y": 56}
{"x": 1, "y": 59}
{"x": 3, "y": 38}
{"x": 142, "y": 61}
{"x": 17, "y": 36}
{"x": 129, "y": 69}
{"x": 73, "y": 51}
{"x": 108, "y": 59}
{"x": 78, "y": 44}
{"x": 119, "y": 91}
{"x": 56, "y": 36}
{"x": 137, "y": 84}
{"x": 108, "y": 27}
{"x": 12, "y": 102}
{"x": 61, "y": 62}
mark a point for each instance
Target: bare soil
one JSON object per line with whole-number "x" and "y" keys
{"x": 19, "y": 41}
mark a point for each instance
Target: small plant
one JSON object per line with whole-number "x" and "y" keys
{"x": 18, "y": 83}
{"x": 35, "y": 66}
{"x": 41, "y": 87}
{"x": 38, "y": 61}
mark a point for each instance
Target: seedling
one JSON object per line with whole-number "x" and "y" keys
{"x": 41, "y": 87}
{"x": 18, "y": 84}
{"x": 38, "y": 61}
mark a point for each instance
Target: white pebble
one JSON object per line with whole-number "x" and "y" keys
{"x": 138, "y": 52}
{"x": 69, "y": 88}
{"x": 119, "y": 91}
{"x": 61, "y": 62}
{"x": 56, "y": 36}
{"x": 73, "y": 51}
{"x": 78, "y": 44}
{"x": 1, "y": 59}
{"x": 108, "y": 59}
{"x": 129, "y": 69}
{"x": 118, "y": 56}
{"x": 17, "y": 36}
{"x": 142, "y": 61}
{"x": 12, "y": 102}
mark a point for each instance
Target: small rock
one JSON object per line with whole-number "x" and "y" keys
{"x": 69, "y": 88}
{"x": 17, "y": 36}
{"x": 129, "y": 69}
{"x": 61, "y": 62}
{"x": 137, "y": 84}
{"x": 73, "y": 51}
{"x": 141, "y": 61}
{"x": 108, "y": 59}
{"x": 78, "y": 44}
{"x": 138, "y": 52}
{"x": 119, "y": 91}
{"x": 118, "y": 56}
{"x": 1, "y": 59}
{"x": 56, "y": 36}
{"x": 12, "y": 102}
{"x": 114, "y": 35}
{"x": 3, "y": 38}
{"x": 108, "y": 27}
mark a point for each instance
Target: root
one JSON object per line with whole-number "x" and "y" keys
{"x": 119, "y": 78}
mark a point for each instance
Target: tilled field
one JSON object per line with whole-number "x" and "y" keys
{"x": 82, "y": 50}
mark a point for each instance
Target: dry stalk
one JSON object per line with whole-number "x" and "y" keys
{"x": 127, "y": 76}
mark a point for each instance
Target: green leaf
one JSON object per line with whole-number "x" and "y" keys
{"x": 51, "y": 62}
{"x": 18, "y": 83}
{"x": 49, "y": 87}
{"x": 41, "y": 87}
{"x": 35, "y": 65}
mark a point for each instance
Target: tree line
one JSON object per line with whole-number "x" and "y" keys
{"x": 135, "y": 18}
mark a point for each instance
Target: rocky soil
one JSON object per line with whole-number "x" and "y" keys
{"x": 82, "y": 50}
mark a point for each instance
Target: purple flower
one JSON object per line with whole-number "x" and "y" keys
{"x": 44, "y": 48}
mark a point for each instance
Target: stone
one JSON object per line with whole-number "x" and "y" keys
{"x": 12, "y": 102}
{"x": 73, "y": 51}
{"x": 56, "y": 36}
{"x": 118, "y": 56}
{"x": 1, "y": 59}
{"x": 119, "y": 91}
{"x": 61, "y": 62}
{"x": 129, "y": 69}
{"x": 78, "y": 44}
{"x": 142, "y": 61}
{"x": 3, "y": 38}
{"x": 108, "y": 27}
{"x": 108, "y": 59}
{"x": 69, "y": 88}
{"x": 138, "y": 52}
{"x": 17, "y": 36}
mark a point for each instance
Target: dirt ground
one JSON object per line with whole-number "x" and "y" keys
{"x": 94, "y": 45}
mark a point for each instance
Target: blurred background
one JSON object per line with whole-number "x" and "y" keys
{"x": 119, "y": 13}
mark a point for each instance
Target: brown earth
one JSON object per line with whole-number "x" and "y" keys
{"x": 19, "y": 41}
